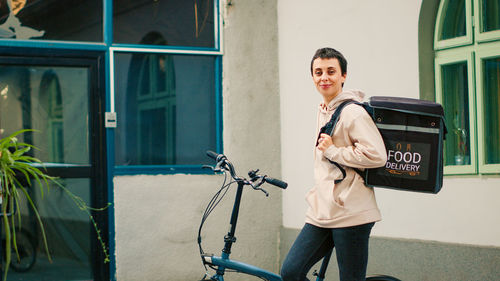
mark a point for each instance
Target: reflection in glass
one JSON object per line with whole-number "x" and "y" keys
{"x": 491, "y": 94}
{"x": 453, "y": 24}
{"x": 54, "y": 102}
{"x": 456, "y": 107}
{"x": 183, "y": 23}
{"x": 70, "y": 20}
{"x": 68, "y": 232}
{"x": 12, "y": 26}
{"x": 50, "y": 91}
{"x": 166, "y": 108}
{"x": 491, "y": 15}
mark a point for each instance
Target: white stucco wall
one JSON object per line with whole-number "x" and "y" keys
{"x": 380, "y": 42}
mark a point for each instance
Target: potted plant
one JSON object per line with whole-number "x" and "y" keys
{"x": 16, "y": 165}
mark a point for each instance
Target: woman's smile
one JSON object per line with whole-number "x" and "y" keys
{"x": 328, "y": 78}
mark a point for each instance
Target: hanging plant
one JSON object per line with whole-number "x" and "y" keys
{"x": 17, "y": 165}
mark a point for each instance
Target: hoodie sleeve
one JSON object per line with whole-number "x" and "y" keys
{"x": 367, "y": 149}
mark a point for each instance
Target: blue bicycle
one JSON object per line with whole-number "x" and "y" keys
{"x": 221, "y": 264}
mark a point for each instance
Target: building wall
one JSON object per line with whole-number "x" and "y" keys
{"x": 418, "y": 260}
{"x": 380, "y": 41}
{"x": 157, "y": 217}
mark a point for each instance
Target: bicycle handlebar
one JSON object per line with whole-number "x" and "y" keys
{"x": 276, "y": 182}
{"x": 213, "y": 155}
{"x": 222, "y": 162}
{"x": 254, "y": 180}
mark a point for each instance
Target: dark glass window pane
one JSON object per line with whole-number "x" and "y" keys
{"x": 70, "y": 20}
{"x": 68, "y": 231}
{"x": 166, "y": 108}
{"x": 53, "y": 101}
{"x": 152, "y": 136}
{"x": 179, "y": 23}
{"x": 491, "y": 107}
{"x": 491, "y": 15}
{"x": 453, "y": 24}
{"x": 456, "y": 108}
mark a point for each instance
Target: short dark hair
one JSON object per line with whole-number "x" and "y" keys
{"x": 330, "y": 53}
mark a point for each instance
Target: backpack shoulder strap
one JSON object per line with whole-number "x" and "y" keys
{"x": 329, "y": 127}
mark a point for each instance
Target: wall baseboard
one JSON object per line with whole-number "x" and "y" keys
{"x": 418, "y": 260}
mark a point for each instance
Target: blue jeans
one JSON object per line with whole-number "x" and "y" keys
{"x": 313, "y": 243}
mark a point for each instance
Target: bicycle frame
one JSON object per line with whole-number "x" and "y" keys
{"x": 222, "y": 263}
{"x": 226, "y": 263}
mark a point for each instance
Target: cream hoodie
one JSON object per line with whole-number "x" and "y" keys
{"x": 357, "y": 143}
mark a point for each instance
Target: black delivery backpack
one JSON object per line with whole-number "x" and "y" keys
{"x": 413, "y": 131}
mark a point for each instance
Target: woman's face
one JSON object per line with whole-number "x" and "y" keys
{"x": 328, "y": 78}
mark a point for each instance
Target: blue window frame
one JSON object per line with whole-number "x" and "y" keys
{"x": 146, "y": 66}
{"x": 167, "y": 111}
{"x": 85, "y": 28}
{"x": 166, "y": 96}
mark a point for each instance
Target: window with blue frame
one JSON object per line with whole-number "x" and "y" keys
{"x": 69, "y": 20}
{"x": 166, "y": 84}
{"x": 180, "y": 23}
{"x": 166, "y": 108}
{"x": 165, "y": 71}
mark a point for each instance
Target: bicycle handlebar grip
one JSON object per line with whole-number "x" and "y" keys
{"x": 212, "y": 154}
{"x": 276, "y": 182}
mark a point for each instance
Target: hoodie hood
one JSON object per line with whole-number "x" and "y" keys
{"x": 355, "y": 95}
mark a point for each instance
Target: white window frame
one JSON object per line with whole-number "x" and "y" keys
{"x": 473, "y": 48}
{"x": 483, "y": 53}
{"x": 451, "y": 57}
{"x": 458, "y": 41}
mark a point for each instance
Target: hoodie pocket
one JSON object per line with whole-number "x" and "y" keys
{"x": 323, "y": 203}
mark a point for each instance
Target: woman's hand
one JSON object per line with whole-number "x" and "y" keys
{"x": 324, "y": 142}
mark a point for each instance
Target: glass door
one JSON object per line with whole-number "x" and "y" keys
{"x": 59, "y": 96}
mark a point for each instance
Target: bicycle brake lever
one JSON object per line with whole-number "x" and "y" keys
{"x": 256, "y": 185}
{"x": 265, "y": 192}
{"x": 214, "y": 169}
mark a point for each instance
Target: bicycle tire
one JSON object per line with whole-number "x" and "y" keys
{"x": 381, "y": 278}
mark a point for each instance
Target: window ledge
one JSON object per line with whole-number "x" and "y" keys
{"x": 160, "y": 170}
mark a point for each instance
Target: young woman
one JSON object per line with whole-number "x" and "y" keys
{"x": 340, "y": 216}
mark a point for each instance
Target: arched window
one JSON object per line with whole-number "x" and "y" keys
{"x": 156, "y": 102}
{"x": 467, "y": 76}
{"x": 51, "y": 100}
{"x": 152, "y": 106}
